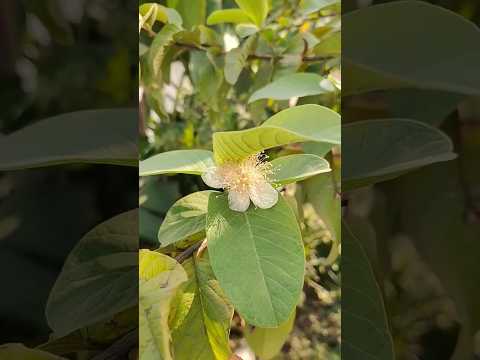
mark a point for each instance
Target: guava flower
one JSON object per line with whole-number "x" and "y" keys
{"x": 244, "y": 181}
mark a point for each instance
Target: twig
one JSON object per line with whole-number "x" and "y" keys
{"x": 205, "y": 47}
{"x": 187, "y": 252}
{"x": 120, "y": 348}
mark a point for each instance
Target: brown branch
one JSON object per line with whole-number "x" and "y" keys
{"x": 205, "y": 47}
{"x": 188, "y": 252}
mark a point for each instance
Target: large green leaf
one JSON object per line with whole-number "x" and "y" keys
{"x": 433, "y": 61}
{"x": 298, "y": 124}
{"x": 293, "y": 85}
{"x": 99, "y": 278}
{"x": 160, "y": 277}
{"x": 297, "y": 167}
{"x": 185, "y": 218}
{"x": 258, "y": 259}
{"x": 379, "y": 150}
{"x": 267, "y": 342}
{"x": 236, "y": 16}
{"x": 203, "y": 335}
{"x": 16, "y": 351}
{"x": 365, "y": 329}
{"x": 257, "y": 10}
{"x": 193, "y": 162}
{"x": 91, "y": 136}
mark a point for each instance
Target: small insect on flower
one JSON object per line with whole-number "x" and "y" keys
{"x": 246, "y": 180}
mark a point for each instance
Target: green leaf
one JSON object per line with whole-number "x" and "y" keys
{"x": 234, "y": 63}
{"x": 236, "y": 59}
{"x": 298, "y": 124}
{"x": 16, "y": 351}
{"x": 293, "y": 85}
{"x": 268, "y": 342}
{"x": 319, "y": 149}
{"x": 206, "y": 77}
{"x": 245, "y": 30}
{"x": 311, "y": 6}
{"x": 204, "y": 334}
{"x": 185, "y": 218}
{"x": 92, "y": 136}
{"x": 236, "y": 16}
{"x": 199, "y": 36}
{"x": 257, "y": 10}
{"x": 297, "y": 167}
{"x": 160, "y": 277}
{"x": 429, "y": 106}
{"x": 321, "y": 192}
{"x": 330, "y": 45}
{"x": 194, "y": 162}
{"x": 380, "y": 150}
{"x": 365, "y": 329}
{"x": 160, "y": 13}
{"x": 99, "y": 278}
{"x": 157, "y": 48}
{"x": 192, "y": 14}
{"x": 258, "y": 259}
{"x": 434, "y": 64}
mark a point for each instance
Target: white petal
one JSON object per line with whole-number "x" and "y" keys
{"x": 263, "y": 195}
{"x": 238, "y": 201}
{"x": 212, "y": 178}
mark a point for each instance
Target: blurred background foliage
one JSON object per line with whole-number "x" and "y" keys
{"x": 194, "y": 95}
{"x": 58, "y": 56}
{"x": 421, "y": 230}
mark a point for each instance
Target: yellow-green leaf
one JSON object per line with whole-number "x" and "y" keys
{"x": 267, "y": 342}
{"x": 236, "y": 16}
{"x": 156, "y": 52}
{"x": 298, "y": 124}
{"x": 151, "y": 12}
{"x": 257, "y": 10}
{"x": 160, "y": 277}
{"x": 203, "y": 335}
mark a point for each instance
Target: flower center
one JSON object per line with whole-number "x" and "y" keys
{"x": 241, "y": 176}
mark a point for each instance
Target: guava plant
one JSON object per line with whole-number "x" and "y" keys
{"x": 242, "y": 100}
{"x": 254, "y": 257}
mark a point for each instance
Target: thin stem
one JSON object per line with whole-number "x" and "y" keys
{"x": 188, "y": 252}
{"x": 205, "y": 47}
